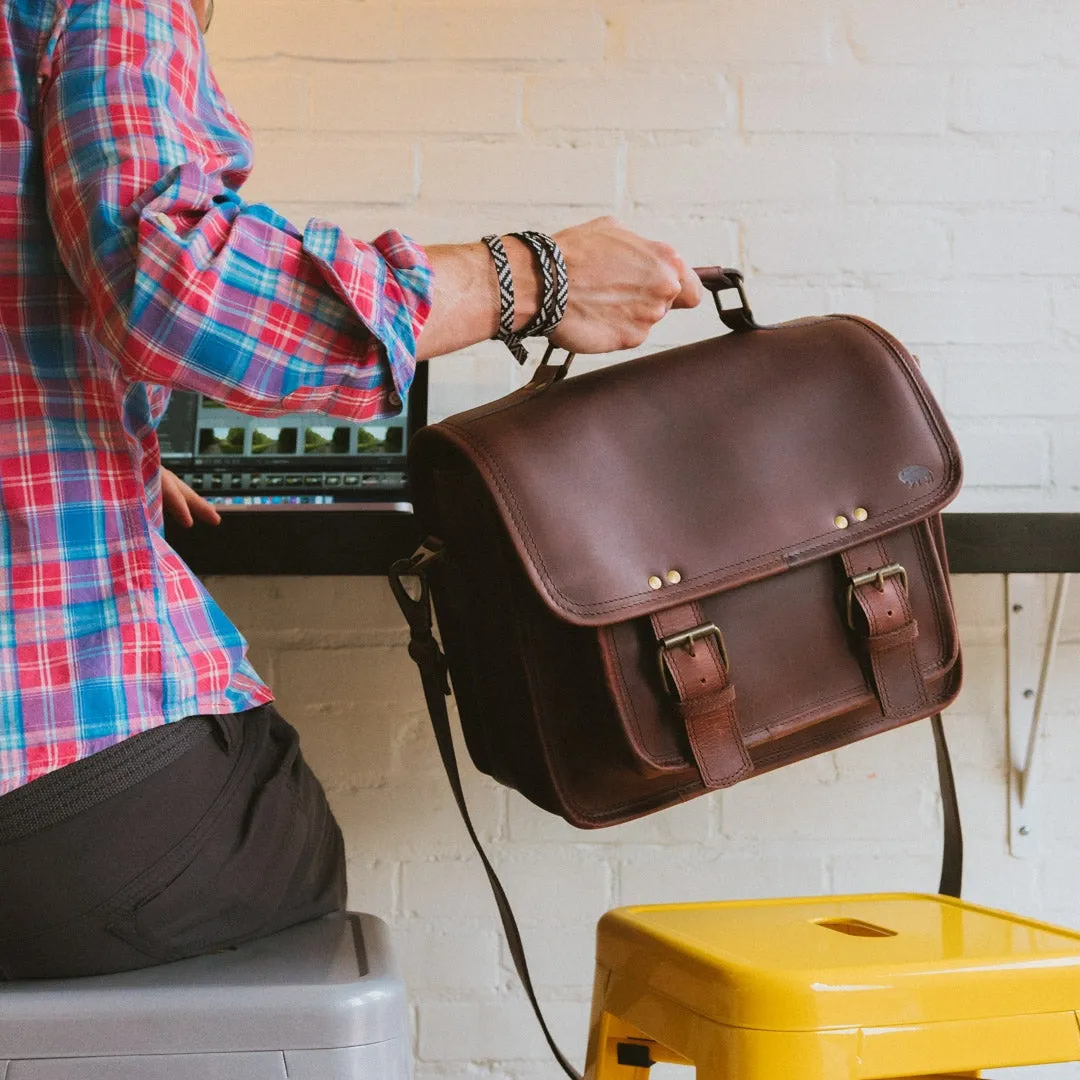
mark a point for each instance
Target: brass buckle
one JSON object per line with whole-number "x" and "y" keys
{"x": 685, "y": 640}
{"x": 877, "y": 578}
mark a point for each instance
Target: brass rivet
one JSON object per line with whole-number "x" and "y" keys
{"x": 674, "y": 577}
{"x": 861, "y": 513}
{"x": 655, "y": 582}
{"x": 840, "y": 521}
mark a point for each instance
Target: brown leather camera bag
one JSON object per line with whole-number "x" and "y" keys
{"x": 678, "y": 572}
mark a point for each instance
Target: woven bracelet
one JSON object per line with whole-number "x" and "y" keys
{"x": 506, "y": 298}
{"x": 554, "y": 290}
{"x": 554, "y": 280}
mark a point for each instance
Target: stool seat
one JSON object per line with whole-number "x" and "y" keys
{"x": 319, "y": 1001}
{"x": 832, "y": 988}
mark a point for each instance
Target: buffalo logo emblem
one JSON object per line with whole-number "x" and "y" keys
{"x": 916, "y": 476}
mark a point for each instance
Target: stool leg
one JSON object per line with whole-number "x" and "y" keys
{"x": 601, "y": 1059}
{"x": 619, "y": 1051}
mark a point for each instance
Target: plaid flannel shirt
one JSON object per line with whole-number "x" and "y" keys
{"x": 130, "y": 264}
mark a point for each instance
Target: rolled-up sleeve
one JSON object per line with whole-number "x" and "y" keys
{"x": 187, "y": 284}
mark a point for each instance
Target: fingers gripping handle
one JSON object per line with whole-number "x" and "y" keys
{"x": 717, "y": 279}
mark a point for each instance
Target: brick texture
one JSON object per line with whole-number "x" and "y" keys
{"x": 334, "y": 30}
{"x": 914, "y": 162}
{"x": 902, "y": 101}
{"x": 742, "y": 32}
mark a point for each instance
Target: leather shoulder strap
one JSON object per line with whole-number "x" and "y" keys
{"x": 427, "y": 654}
{"x": 424, "y": 649}
{"x": 952, "y": 851}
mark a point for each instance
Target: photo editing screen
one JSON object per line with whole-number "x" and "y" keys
{"x": 301, "y": 459}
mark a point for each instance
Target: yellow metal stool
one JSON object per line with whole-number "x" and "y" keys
{"x": 833, "y": 988}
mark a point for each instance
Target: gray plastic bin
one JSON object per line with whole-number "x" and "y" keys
{"x": 321, "y": 1001}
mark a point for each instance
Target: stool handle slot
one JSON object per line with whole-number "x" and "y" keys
{"x": 855, "y": 928}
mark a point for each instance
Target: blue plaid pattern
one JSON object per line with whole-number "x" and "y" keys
{"x": 129, "y": 264}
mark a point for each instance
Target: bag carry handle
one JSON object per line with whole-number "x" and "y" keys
{"x": 720, "y": 279}
{"x": 431, "y": 661}
{"x": 716, "y": 279}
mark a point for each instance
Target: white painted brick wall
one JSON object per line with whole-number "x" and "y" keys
{"x": 444, "y": 103}
{"x": 528, "y": 33}
{"x": 1024, "y": 101}
{"x": 520, "y": 174}
{"x": 647, "y": 103}
{"x": 849, "y": 101}
{"x": 915, "y": 162}
{"x": 712, "y": 36}
{"x": 735, "y": 171}
{"x": 325, "y": 168}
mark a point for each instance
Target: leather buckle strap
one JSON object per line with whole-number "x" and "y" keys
{"x": 891, "y": 632}
{"x": 877, "y": 578}
{"x": 694, "y": 667}
{"x": 685, "y": 640}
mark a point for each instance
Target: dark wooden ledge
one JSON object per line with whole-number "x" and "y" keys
{"x": 1013, "y": 543}
{"x": 367, "y": 542}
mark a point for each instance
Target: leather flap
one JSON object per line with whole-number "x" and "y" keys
{"x": 707, "y": 466}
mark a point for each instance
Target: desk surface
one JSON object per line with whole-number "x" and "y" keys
{"x": 367, "y": 542}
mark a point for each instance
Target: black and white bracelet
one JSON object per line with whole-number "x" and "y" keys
{"x": 555, "y": 283}
{"x": 506, "y": 295}
{"x": 554, "y": 290}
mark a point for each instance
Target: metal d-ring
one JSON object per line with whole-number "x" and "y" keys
{"x": 559, "y": 372}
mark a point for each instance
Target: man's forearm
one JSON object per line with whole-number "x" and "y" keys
{"x": 620, "y": 286}
{"x": 465, "y": 304}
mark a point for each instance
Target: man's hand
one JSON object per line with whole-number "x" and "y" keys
{"x": 621, "y": 285}
{"x": 184, "y": 504}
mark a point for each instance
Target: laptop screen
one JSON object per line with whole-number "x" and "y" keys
{"x": 301, "y": 459}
